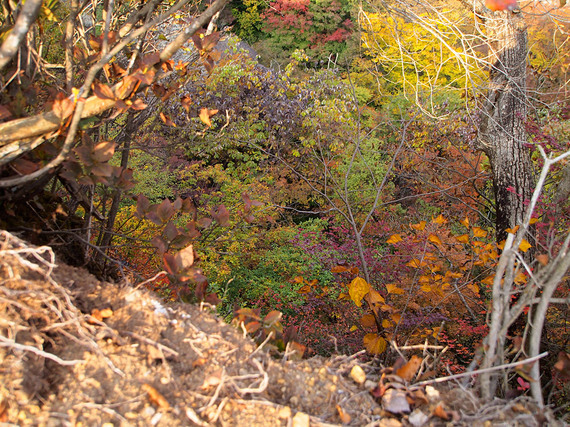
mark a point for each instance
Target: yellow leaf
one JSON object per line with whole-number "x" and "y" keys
{"x": 501, "y": 245}
{"x": 393, "y": 289}
{"x": 479, "y": 232}
{"x": 488, "y": 280}
{"x": 525, "y": 246}
{"x": 396, "y": 317}
{"x": 439, "y": 220}
{"x": 408, "y": 371}
{"x": 353, "y": 328}
{"x": 394, "y": 238}
{"x": 474, "y": 288}
{"x": 434, "y": 239}
{"x": 464, "y": 238}
{"x": 386, "y": 323}
{"x": 426, "y": 288}
{"x": 513, "y": 230}
{"x": 357, "y": 289}
{"x": 374, "y": 343}
{"x": 465, "y": 222}
{"x": 520, "y": 278}
{"x": 419, "y": 226}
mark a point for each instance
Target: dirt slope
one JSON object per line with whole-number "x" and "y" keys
{"x": 77, "y": 351}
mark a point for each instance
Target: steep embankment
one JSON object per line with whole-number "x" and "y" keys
{"x": 77, "y": 351}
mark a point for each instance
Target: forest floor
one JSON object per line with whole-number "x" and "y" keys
{"x": 77, "y": 351}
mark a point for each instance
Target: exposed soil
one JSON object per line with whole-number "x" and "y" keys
{"x": 77, "y": 351}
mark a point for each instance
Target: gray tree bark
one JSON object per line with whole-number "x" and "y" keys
{"x": 502, "y": 133}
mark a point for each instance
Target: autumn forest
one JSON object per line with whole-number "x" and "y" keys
{"x": 331, "y": 176}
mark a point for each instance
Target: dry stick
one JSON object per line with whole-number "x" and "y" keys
{"x": 481, "y": 371}
{"x": 5, "y": 342}
{"x": 27, "y": 16}
{"x": 262, "y": 344}
{"x": 151, "y": 342}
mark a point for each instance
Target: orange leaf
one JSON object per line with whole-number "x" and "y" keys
{"x": 542, "y": 259}
{"x": 439, "y": 220}
{"x": 434, "y": 239}
{"x": 386, "y": 323}
{"x": 205, "y": 115}
{"x": 419, "y": 226}
{"x": 479, "y": 232}
{"x": 488, "y": 280}
{"x": 394, "y": 238}
{"x": 155, "y": 397}
{"x": 344, "y": 417}
{"x": 533, "y": 221}
{"x": 393, "y": 289}
{"x": 465, "y": 222}
{"x": 441, "y": 413}
{"x": 416, "y": 263}
{"x": 408, "y": 371}
{"x": 368, "y": 321}
{"x": 464, "y": 238}
{"x": 339, "y": 269}
{"x": 305, "y": 289}
{"x": 374, "y": 297}
{"x": 499, "y": 5}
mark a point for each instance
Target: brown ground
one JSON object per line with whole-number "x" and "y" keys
{"x": 77, "y": 351}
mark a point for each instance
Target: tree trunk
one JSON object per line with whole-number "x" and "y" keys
{"x": 503, "y": 135}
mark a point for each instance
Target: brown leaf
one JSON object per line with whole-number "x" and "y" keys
{"x": 103, "y": 151}
{"x": 563, "y": 364}
{"x": 542, "y": 259}
{"x": 186, "y": 101}
{"x": 126, "y": 86}
{"x": 155, "y": 397}
{"x": 102, "y": 91}
{"x": 339, "y": 269}
{"x": 63, "y": 107}
{"x": 4, "y": 113}
{"x": 408, "y": 371}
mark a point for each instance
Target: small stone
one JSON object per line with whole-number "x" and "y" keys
{"x": 284, "y": 413}
{"x": 332, "y": 388}
{"x": 301, "y": 420}
{"x": 370, "y": 385}
{"x": 389, "y": 422}
{"x": 357, "y": 374}
{"x": 432, "y": 393}
{"x": 107, "y": 425}
{"x": 294, "y": 401}
{"x": 418, "y": 418}
{"x": 164, "y": 380}
{"x": 395, "y": 401}
{"x": 149, "y": 411}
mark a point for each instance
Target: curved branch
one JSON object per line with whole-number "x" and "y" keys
{"x": 28, "y": 15}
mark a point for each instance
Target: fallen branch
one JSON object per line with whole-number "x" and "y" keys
{"x": 5, "y": 342}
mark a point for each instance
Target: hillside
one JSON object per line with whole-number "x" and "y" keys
{"x": 78, "y": 351}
